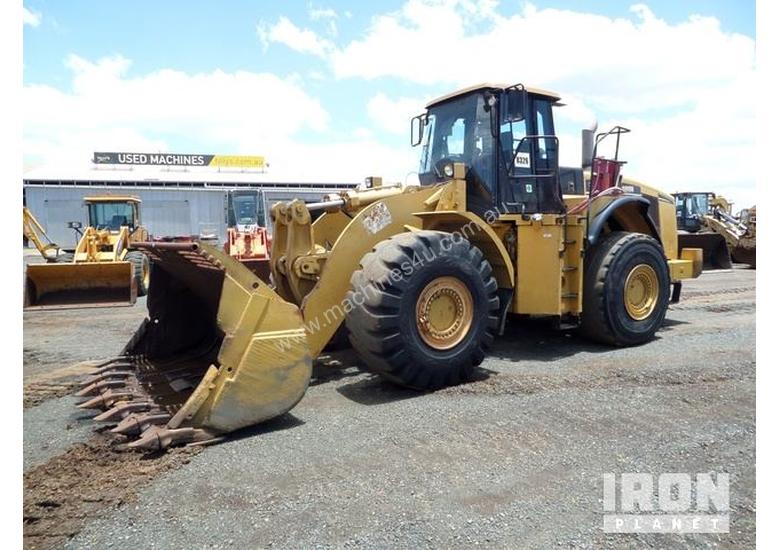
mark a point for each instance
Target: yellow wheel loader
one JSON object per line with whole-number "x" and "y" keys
{"x": 103, "y": 270}
{"x": 422, "y": 277}
{"x": 704, "y": 220}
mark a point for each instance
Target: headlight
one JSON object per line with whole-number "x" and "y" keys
{"x": 448, "y": 170}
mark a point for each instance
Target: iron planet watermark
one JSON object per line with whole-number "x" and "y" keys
{"x": 666, "y": 503}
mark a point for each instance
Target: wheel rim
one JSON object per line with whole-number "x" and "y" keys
{"x": 641, "y": 292}
{"x": 445, "y": 310}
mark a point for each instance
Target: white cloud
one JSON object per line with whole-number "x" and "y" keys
{"x": 30, "y": 17}
{"x": 625, "y": 64}
{"x": 393, "y": 115}
{"x": 340, "y": 160}
{"x": 219, "y": 112}
{"x": 106, "y": 107}
{"x": 682, "y": 87}
{"x": 286, "y": 32}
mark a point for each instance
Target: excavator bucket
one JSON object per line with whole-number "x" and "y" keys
{"x": 715, "y": 250}
{"x": 86, "y": 284}
{"x": 218, "y": 351}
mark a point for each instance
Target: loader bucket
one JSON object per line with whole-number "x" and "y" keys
{"x": 715, "y": 251}
{"x": 745, "y": 253}
{"x": 261, "y": 268}
{"x": 86, "y": 284}
{"x": 218, "y": 351}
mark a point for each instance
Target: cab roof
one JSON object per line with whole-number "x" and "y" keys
{"x": 112, "y": 198}
{"x": 555, "y": 97}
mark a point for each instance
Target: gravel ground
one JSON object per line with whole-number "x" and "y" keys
{"x": 52, "y": 427}
{"x": 514, "y": 459}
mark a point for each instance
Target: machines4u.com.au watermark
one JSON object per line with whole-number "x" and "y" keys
{"x": 666, "y": 503}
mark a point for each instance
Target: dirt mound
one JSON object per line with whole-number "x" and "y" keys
{"x": 85, "y": 482}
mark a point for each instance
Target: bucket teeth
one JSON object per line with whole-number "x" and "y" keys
{"x": 157, "y": 438}
{"x": 99, "y": 387}
{"x": 109, "y": 361}
{"x": 114, "y": 367}
{"x": 134, "y": 424}
{"x": 122, "y": 409}
{"x": 109, "y": 375}
{"x": 106, "y": 400}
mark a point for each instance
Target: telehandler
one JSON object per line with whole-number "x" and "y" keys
{"x": 102, "y": 270}
{"x": 422, "y": 277}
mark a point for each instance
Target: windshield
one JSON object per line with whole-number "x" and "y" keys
{"x": 245, "y": 207}
{"x": 458, "y": 131}
{"x": 692, "y": 205}
{"x": 111, "y": 215}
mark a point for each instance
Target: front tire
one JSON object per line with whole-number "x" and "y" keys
{"x": 626, "y": 289}
{"x": 141, "y": 270}
{"x": 425, "y": 309}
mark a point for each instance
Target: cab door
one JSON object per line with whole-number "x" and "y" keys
{"x": 528, "y": 167}
{"x": 544, "y": 160}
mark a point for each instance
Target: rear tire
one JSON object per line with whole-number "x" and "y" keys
{"x": 626, "y": 289}
{"x": 141, "y": 269}
{"x": 425, "y": 309}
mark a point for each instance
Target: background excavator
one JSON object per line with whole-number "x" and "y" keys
{"x": 422, "y": 277}
{"x": 102, "y": 270}
{"x": 705, "y": 221}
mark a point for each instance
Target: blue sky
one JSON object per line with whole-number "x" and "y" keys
{"x": 335, "y": 82}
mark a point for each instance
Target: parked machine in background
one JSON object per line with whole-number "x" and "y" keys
{"x": 103, "y": 269}
{"x": 705, "y": 221}
{"x": 247, "y": 238}
{"x": 423, "y": 277}
{"x": 33, "y": 232}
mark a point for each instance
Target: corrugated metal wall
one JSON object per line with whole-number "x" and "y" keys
{"x": 164, "y": 212}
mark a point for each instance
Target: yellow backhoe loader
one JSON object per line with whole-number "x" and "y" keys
{"x": 422, "y": 277}
{"x": 33, "y": 231}
{"x": 103, "y": 270}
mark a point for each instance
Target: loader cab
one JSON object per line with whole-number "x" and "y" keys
{"x": 245, "y": 209}
{"x": 505, "y": 137}
{"x": 690, "y": 207}
{"x": 112, "y": 213}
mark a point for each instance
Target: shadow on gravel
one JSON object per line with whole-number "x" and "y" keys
{"x": 539, "y": 340}
{"x": 669, "y": 324}
{"x": 285, "y": 422}
{"x": 375, "y": 391}
{"x": 332, "y": 366}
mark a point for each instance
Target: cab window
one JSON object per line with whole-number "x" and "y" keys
{"x": 111, "y": 215}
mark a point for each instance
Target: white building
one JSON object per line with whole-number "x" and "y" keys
{"x": 175, "y": 201}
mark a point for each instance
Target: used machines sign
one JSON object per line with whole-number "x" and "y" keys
{"x": 169, "y": 159}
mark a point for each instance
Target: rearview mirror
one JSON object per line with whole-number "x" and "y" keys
{"x": 417, "y": 125}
